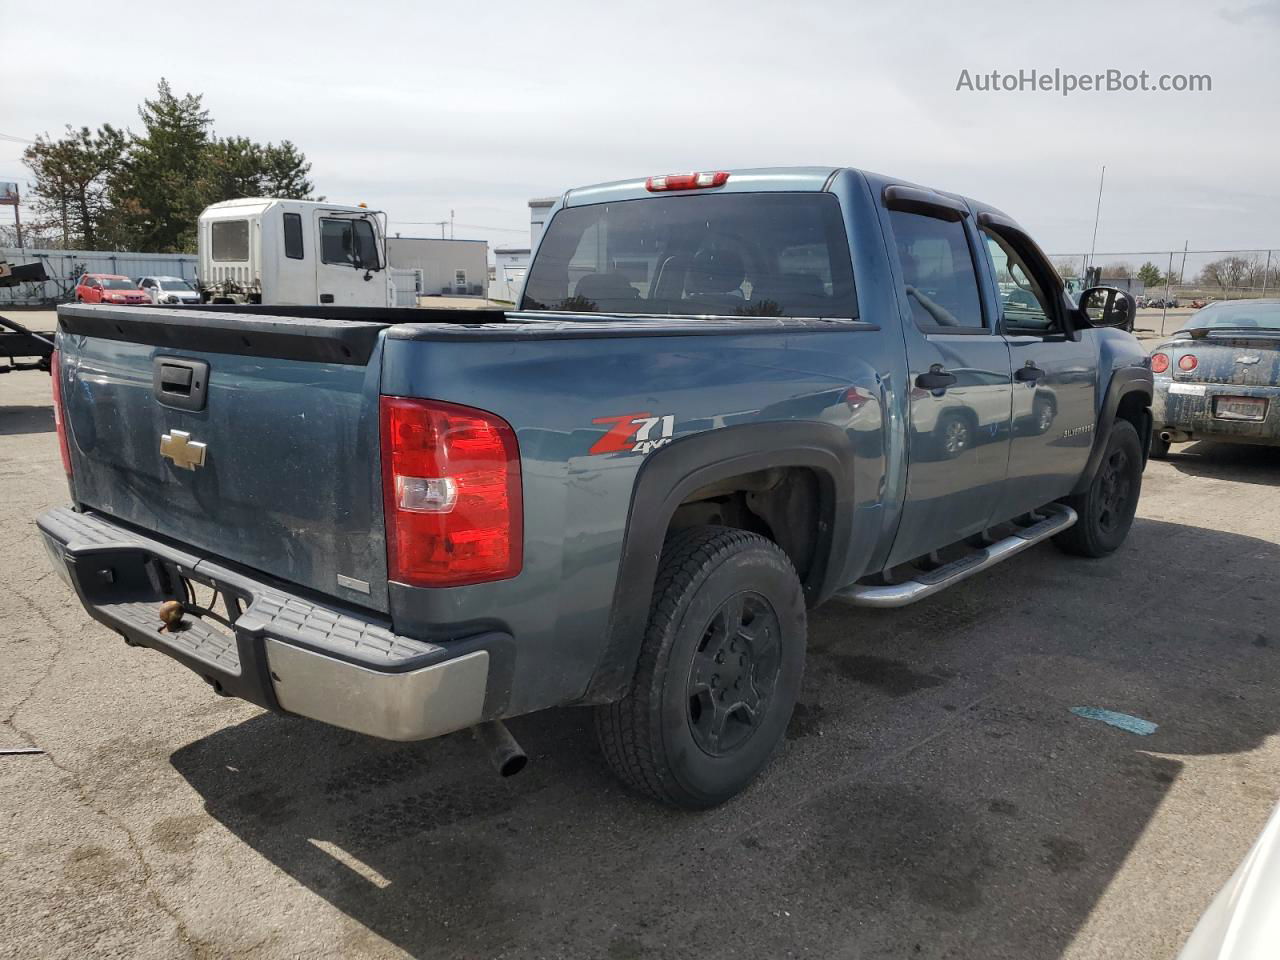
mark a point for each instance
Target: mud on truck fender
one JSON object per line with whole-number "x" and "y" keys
{"x": 697, "y": 463}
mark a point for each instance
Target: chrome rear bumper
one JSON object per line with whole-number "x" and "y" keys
{"x": 279, "y": 650}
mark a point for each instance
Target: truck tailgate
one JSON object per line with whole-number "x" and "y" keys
{"x": 287, "y": 481}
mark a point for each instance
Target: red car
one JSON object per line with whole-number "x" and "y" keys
{"x": 109, "y": 288}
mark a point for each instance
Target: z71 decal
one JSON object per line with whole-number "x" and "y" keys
{"x": 634, "y": 433}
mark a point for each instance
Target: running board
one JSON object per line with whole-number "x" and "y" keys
{"x": 1059, "y": 518}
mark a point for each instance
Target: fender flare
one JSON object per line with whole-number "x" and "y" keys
{"x": 669, "y": 475}
{"x": 1124, "y": 381}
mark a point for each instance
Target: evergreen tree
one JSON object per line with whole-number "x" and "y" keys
{"x": 72, "y": 183}
{"x": 158, "y": 194}
{"x": 238, "y": 167}
{"x": 145, "y": 191}
{"x": 1150, "y": 274}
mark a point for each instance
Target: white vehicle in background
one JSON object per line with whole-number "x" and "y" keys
{"x": 293, "y": 252}
{"x": 169, "y": 289}
{"x": 1242, "y": 922}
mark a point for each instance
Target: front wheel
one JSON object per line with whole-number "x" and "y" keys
{"x": 1106, "y": 509}
{"x": 719, "y": 670}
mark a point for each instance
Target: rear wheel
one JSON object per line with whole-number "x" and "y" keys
{"x": 1106, "y": 509}
{"x": 719, "y": 670}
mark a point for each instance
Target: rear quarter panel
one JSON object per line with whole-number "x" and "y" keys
{"x": 577, "y": 504}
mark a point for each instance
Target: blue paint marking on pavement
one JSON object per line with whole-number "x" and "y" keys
{"x": 1143, "y": 728}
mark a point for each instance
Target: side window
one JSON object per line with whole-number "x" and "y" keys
{"x": 938, "y": 271}
{"x": 336, "y": 244}
{"x": 293, "y": 236}
{"x": 1023, "y": 302}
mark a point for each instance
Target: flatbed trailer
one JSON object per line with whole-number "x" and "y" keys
{"x": 20, "y": 348}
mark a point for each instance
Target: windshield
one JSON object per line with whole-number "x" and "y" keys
{"x": 747, "y": 254}
{"x": 1237, "y": 313}
{"x": 117, "y": 283}
{"x": 176, "y": 285}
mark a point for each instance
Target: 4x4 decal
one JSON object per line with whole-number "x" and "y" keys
{"x": 634, "y": 433}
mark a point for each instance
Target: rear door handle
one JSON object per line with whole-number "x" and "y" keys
{"x": 936, "y": 379}
{"x": 1029, "y": 373}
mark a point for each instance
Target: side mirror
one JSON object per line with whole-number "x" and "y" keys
{"x": 1108, "y": 307}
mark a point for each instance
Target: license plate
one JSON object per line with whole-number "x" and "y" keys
{"x": 1239, "y": 408}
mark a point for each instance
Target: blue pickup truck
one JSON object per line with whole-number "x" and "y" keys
{"x": 724, "y": 397}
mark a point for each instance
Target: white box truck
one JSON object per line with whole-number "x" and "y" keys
{"x": 303, "y": 252}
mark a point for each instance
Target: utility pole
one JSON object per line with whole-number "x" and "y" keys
{"x": 1167, "y": 278}
{"x": 450, "y": 224}
{"x": 1097, "y": 214}
{"x": 1265, "y": 273}
{"x": 17, "y": 217}
{"x": 9, "y": 197}
{"x": 1182, "y": 271}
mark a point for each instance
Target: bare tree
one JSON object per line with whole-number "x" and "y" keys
{"x": 1228, "y": 273}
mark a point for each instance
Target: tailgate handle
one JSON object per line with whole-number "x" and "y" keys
{"x": 180, "y": 383}
{"x": 174, "y": 379}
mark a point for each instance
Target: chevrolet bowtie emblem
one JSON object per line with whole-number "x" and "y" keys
{"x": 178, "y": 446}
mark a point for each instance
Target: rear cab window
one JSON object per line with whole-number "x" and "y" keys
{"x": 735, "y": 255}
{"x": 230, "y": 240}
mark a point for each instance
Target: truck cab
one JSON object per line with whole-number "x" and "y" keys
{"x": 293, "y": 253}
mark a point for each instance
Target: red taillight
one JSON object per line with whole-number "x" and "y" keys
{"x": 1187, "y": 361}
{"x": 59, "y": 420}
{"x": 1159, "y": 362}
{"x": 451, "y": 494}
{"x": 687, "y": 181}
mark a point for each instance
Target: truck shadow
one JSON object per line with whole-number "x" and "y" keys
{"x": 935, "y": 796}
{"x": 19, "y": 420}
{"x": 1227, "y": 461}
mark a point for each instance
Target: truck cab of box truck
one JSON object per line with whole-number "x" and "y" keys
{"x": 293, "y": 252}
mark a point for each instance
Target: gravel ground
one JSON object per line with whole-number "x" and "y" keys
{"x": 935, "y": 797}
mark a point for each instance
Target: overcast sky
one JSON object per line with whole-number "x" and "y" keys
{"x": 419, "y": 108}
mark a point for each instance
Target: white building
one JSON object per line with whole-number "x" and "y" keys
{"x": 539, "y": 211}
{"x": 455, "y": 268}
{"x": 511, "y": 264}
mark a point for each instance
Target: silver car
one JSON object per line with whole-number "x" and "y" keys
{"x": 169, "y": 289}
{"x": 1218, "y": 378}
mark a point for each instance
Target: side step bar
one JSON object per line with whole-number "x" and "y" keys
{"x": 1059, "y": 517}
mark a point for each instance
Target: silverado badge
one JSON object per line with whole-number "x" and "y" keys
{"x": 178, "y": 446}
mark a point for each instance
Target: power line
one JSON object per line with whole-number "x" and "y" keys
{"x": 14, "y": 139}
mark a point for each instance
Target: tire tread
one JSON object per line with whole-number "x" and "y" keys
{"x": 628, "y": 729}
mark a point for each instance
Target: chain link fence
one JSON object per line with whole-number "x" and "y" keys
{"x": 1184, "y": 275}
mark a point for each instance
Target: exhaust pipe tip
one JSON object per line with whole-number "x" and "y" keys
{"x": 1166, "y": 436}
{"x": 506, "y": 755}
